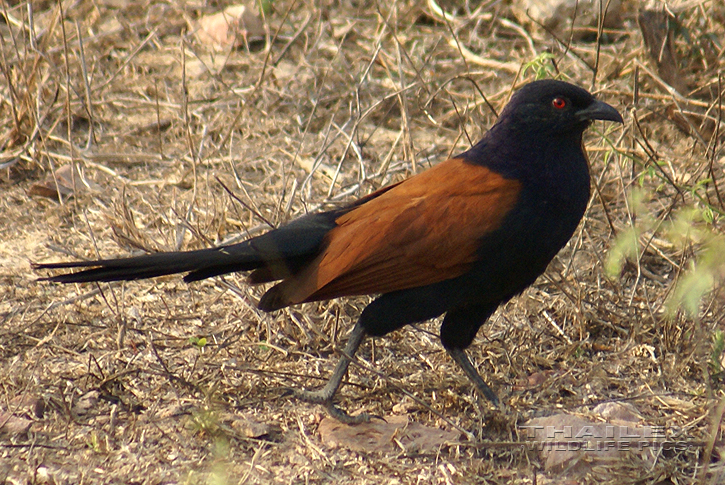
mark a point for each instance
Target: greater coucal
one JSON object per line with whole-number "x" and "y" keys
{"x": 459, "y": 238}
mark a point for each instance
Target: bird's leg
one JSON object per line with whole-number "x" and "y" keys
{"x": 325, "y": 395}
{"x": 460, "y": 357}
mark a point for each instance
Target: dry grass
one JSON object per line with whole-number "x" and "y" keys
{"x": 339, "y": 100}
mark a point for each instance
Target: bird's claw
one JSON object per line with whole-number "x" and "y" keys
{"x": 323, "y": 398}
{"x": 345, "y": 418}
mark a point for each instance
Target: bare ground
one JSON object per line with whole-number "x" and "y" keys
{"x": 164, "y": 382}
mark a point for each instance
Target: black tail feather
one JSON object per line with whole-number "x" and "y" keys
{"x": 278, "y": 254}
{"x": 200, "y": 264}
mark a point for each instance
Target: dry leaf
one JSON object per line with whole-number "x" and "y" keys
{"x": 28, "y": 404}
{"x": 384, "y": 436}
{"x": 13, "y": 425}
{"x": 659, "y": 39}
{"x": 574, "y": 444}
{"x": 230, "y": 28}
{"x": 577, "y": 18}
{"x": 252, "y": 428}
{"x": 66, "y": 181}
{"x": 86, "y": 402}
{"x": 616, "y": 412}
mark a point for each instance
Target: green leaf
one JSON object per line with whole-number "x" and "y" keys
{"x": 626, "y": 246}
{"x": 198, "y": 341}
{"x": 541, "y": 65}
{"x": 691, "y": 290}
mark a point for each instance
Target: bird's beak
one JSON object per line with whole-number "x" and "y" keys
{"x": 599, "y": 110}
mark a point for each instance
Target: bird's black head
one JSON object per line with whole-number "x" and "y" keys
{"x": 554, "y": 107}
{"x": 539, "y": 133}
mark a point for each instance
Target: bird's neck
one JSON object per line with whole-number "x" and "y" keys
{"x": 553, "y": 165}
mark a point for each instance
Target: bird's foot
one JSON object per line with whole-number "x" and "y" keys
{"x": 320, "y": 396}
{"x": 323, "y": 397}
{"x": 345, "y": 418}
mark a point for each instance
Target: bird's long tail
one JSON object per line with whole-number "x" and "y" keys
{"x": 274, "y": 255}
{"x": 199, "y": 264}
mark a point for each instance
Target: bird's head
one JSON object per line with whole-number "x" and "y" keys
{"x": 554, "y": 107}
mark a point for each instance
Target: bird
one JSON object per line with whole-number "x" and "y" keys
{"x": 458, "y": 239}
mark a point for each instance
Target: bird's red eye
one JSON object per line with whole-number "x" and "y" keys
{"x": 559, "y": 103}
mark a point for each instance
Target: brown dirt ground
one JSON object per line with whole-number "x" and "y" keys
{"x": 105, "y": 384}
